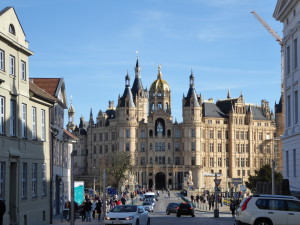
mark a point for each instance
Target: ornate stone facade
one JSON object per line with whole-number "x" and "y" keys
{"x": 229, "y": 137}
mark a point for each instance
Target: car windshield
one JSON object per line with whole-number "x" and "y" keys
{"x": 147, "y": 203}
{"x": 124, "y": 208}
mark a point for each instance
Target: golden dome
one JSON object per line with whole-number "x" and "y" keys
{"x": 159, "y": 85}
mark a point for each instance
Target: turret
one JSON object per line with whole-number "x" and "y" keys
{"x": 191, "y": 103}
{"x": 71, "y": 113}
{"x": 140, "y": 95}
{"x": 126, "y": 108}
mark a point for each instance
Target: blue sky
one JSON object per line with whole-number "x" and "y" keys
{"x": 92, "y": 44}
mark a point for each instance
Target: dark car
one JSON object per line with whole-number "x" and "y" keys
{"x": 172, "y": 208}
{"x": 185, "y": 209}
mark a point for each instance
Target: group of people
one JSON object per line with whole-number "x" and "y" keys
{"x": 88, "y": 209}
{"x": 204, "y": 200}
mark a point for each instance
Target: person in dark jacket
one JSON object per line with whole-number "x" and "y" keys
{"x": 88, "y": 210}
{"x": 99, "y": 208}
{"x": 232, "y": 208}
{"x": 2, "y": 210}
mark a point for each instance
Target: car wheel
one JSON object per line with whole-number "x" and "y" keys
{"x": 263, "y": 222}
{"x": 168, "y": 213}
{"x": 193, "y": 215}
{"x": 178, "y": 215}
{"x": 137, "y": 222}
{"x": 148, "y": 221}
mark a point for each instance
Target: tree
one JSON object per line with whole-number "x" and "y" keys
{"x": 119, "y": 164}
{"x": 264, "y": 174}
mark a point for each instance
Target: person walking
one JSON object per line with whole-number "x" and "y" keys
{"x": 82, "y": 211}
{"x": 88, "y": 210}
{"x": 99, "y": 208}
{"x": 2, "y": 210}
{"x": 232, "y": 207}
{"x": 94, "y": 209}
{"x": 123, "y": 200}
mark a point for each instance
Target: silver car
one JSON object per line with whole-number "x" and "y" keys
{"x": 148, "y": 206}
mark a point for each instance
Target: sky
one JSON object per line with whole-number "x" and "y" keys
{"x": 93, "y": 43}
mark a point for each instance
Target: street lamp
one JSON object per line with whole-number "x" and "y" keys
{"x": 226, "y": 174}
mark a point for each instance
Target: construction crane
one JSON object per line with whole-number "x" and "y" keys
{"x": 277, "y": 38}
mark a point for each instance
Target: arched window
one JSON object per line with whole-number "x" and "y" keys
{"x": 151, "y": 162}
{"x": 150, "y": 133}
{"x": 11, "y": 29}
{"x": 169, "y": 133}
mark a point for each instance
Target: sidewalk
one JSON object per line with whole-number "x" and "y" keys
{"x": 57, "y": 219}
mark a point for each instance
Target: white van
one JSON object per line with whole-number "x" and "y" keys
{"x": 150, "y": 195}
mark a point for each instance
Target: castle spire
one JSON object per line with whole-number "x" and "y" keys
{"x": 228, "y": 94}
{"x": 192, "y": 79}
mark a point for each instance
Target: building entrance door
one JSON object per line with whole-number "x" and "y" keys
{"x": 12, "y": 192}
{"x": 160, "y": 181}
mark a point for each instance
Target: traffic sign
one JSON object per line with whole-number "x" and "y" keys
{"x": 111, "y": 191}
{"x": 217, "y": 181}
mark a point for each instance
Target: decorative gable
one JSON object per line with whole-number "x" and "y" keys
{"x": 11, "y": 27}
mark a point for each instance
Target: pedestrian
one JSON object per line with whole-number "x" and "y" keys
{"x": 82, "y": 211}
{"x": 232, "y": 207}
{"x": 197, "y": 200}
{"x": 2, "y": 210}
{"x": 192, "y": 198}
{"x": 88, "y": 210}
{"x": 221, "y": 200}
{"x": 209, "y": 203}
{"x": 94, "y": 209}
{"x": 99, "y": 208}
{"x": 123, "y": 200}
{"x": 118, "y": 202}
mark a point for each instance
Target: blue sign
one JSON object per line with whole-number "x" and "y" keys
{"x": 111, "y": 191}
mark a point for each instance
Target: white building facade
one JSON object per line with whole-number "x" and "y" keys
{"x": 24, "y": 130}
{"x": 288, "y": 12}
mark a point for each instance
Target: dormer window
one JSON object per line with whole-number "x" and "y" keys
{"x": 11, "y": 29}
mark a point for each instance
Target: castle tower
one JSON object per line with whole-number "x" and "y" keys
{"x": 191, "y": 109}
{"x": 140, "y": 95}
{"x": 127, "y": 120}
{"x": 191, "y": 104}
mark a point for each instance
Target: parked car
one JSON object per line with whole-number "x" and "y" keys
{"x": 148, "y": 206}
{"x": 269, "y": 210}
{"x": 185, "y": 209}
{"x": 127, "y": 214}
{"x": 172, "y": 208}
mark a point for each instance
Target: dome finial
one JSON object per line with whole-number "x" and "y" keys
{"x": 159, "y": 75}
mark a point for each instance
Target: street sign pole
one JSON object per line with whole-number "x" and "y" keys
{"x": 104, "y": 193}
{"x": 216, "y": 211}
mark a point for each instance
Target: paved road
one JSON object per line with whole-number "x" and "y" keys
{"x": 159, "y": 217}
